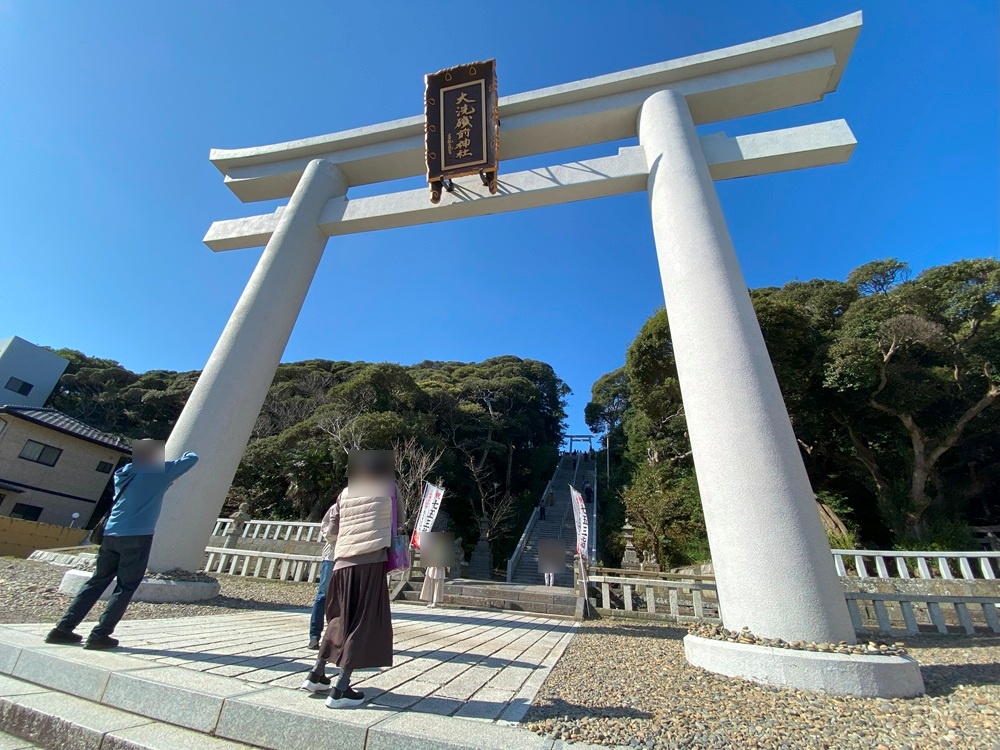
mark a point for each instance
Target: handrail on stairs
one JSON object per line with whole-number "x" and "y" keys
{"x": 515, "y": 558}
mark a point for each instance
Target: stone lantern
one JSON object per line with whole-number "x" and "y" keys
{"x": 631, "y": 559}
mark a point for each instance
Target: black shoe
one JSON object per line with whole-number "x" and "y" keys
{"x": 349, "y": 698}
{"x": 63, "y": 636}
{"x": 101, "y": 642}
{"x": 316, "y": 683}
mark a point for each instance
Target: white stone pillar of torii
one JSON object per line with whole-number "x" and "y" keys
{"x": 773, "y": 565}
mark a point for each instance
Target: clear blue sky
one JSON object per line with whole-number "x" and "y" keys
{"x": 108, "y": 111}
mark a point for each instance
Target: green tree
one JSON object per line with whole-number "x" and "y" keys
{"x": 914, "y": 365}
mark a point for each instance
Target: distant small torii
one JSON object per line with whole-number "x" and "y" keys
{"x": 580, "y": 438}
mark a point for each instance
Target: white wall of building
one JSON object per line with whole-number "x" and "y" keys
{"x": 23, "y": 362}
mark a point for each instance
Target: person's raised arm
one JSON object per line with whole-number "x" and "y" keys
{"x": 180, "y": 465}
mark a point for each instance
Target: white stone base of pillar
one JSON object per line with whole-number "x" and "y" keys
{"x": 150, "y": 590}
{"x": 835, "y": 674}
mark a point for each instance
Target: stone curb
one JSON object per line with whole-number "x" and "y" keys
{"x": 150, "y": 590}
{"x": 836, "y": 674}
{"x": 160, "y": 701}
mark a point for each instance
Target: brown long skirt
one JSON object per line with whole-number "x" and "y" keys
{"x": 358, "y": 620}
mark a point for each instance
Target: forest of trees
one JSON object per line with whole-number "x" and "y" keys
{"x": 488, "y": 431}
{"x": 891, "y": 384}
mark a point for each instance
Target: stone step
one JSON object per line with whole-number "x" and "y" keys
{"x": 473, "y": 603}
{"x": 164, "y": 702}
{"x": 35, "y": 717}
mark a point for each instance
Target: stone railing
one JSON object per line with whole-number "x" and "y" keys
{"x": 294, "y": 531}
{"x": 969, "y": 566}
{"x": 515, "y": 558}
{"x": 987, "y": 536}
{"x": 898, "y": 593}
{"x": 258, "y": 564}
{"x": 277, "y": 566}
{"x": 899, "y": 613}
{"x": 656, "y": 597}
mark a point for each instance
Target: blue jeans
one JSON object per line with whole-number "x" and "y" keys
{"x": 318, "y": 619}
{"x": 121, "y": 557}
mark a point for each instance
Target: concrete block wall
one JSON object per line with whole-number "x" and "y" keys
{"x": 19, "y": 538}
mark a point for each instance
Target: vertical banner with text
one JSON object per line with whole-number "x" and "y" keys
{"x": 582, "y": 524}
{"x": 429, "y": 507}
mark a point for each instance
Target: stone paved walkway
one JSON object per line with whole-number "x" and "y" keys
{"x": 475, "y": 665}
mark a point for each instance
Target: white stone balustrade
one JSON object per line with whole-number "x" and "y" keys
{"x": 295, "y": 531}
{"x": 659, "y": 596}
{"x": 969, "y": 566}
{"x": 258, "y": 564}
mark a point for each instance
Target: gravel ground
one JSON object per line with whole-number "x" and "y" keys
{"x": 29, "y": 592}
{"x": 625, "y": 684}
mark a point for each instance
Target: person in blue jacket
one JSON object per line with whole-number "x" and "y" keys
{"x": 128, "y": 538}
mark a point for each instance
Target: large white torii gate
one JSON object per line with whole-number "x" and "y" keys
{"x": 772, "y": 561}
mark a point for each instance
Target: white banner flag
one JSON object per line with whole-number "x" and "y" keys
{"x": 429, "y": 507}
{"x": 582, "y": 524}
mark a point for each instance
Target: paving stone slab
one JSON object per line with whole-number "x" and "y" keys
{"x": 405, "y": 695}
{"x": 56, "y": 720}
{"x": 165, "y": 737}
{"x": 10, "y": 742}
{"x": 10, "y": 686}
{"x": 486, "y": 704}
{"x": 465, "y": 685}
{"x": 71, "y": 669}
{"x": 12, "y": 641}
{"x": 438, "y": 705}
{"x": 179, "y": 696}
{"x": 9, "y": 654}
{"x": 427, "y": 732}
{"x": 292, "y": 720}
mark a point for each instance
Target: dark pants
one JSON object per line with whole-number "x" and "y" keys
{"x": 121, "y": 557}
{"x": 318, "y": 619}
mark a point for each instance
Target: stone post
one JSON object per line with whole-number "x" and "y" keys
{"x": 219, "y": 415}
{"x": 240, "y": 519}
{"x": 772, "y": 561}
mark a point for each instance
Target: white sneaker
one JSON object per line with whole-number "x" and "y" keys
{"x": 316, "y": 683}
{"x": 432, "y": 605}
{"x": 349, "y": 698}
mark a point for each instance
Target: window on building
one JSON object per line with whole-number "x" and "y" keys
{"x": 104, "y": 467}
{"x": 19, "y": 386}
{"x": 26, "y": 512}
{"x": 40, "y": 453}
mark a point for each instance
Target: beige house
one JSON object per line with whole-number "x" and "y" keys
{"x": 53, "y": 466}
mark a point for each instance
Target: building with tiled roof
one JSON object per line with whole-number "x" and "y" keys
{"x": 53, "y": 468}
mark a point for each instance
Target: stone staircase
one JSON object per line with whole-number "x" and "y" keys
{"x": 558, "y": 523}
